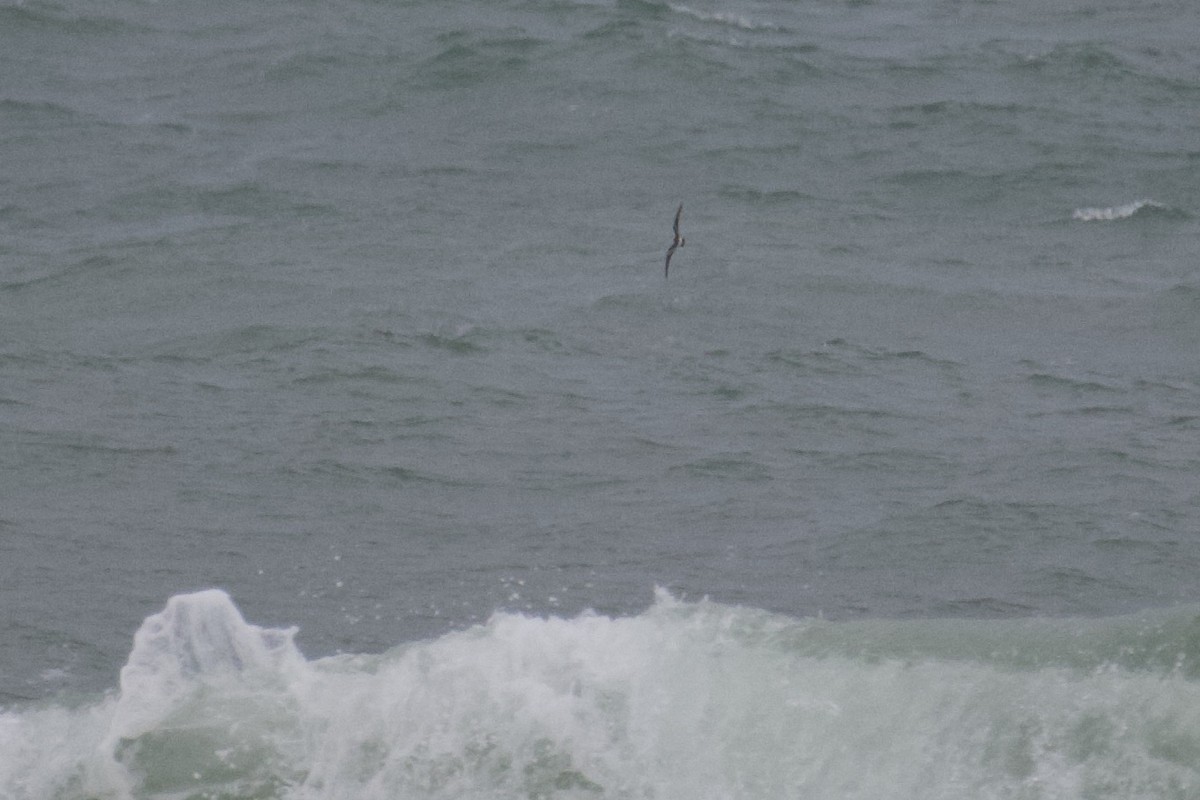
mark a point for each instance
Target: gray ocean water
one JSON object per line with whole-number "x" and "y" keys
{"x": 356, "y": 312}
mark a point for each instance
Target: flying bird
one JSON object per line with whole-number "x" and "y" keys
{"x": 676, "y": 242}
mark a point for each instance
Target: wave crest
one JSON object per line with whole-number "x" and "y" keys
{"x": 1115, "y": 212}
{"x": 686, "y": 700}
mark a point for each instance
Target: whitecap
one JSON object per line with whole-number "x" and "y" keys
{"x": 1114, "y": 212}
{"x": 723, "y": 18}
{"x": 684, "y": 701}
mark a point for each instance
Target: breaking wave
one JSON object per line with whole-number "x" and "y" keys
{"x": 1116, "y": 212}
{"x": 686, "y": 700}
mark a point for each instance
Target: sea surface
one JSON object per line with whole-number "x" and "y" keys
{"x": 355, "y": 446}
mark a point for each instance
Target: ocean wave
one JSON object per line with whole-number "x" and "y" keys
{"x": 686, "y": 700}
{"x": 1115, "y": 212}
{"x": 723, "y": 18}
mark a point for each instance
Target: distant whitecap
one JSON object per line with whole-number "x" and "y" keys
{"x": 722, "y": 18}
{"x": 1115, "y": 212}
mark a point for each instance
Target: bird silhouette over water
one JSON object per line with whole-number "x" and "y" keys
{"x": 676, "y": 242}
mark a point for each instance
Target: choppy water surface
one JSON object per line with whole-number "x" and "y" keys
{"x": 356, "y": 311}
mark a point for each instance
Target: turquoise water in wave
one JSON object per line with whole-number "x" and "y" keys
{"x": 355, "y": 313}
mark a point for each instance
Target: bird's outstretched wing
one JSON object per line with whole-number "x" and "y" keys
{"x": 676, "y": 242}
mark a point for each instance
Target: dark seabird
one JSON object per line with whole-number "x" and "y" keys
{"x": 677, "y": 242}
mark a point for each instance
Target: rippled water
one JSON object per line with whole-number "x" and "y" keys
{"x": 357, "y": 311}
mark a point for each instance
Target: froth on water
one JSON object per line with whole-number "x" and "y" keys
{"x": 686, "y": 700}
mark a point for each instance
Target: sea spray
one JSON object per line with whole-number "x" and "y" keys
{"x": 686, "y": 700}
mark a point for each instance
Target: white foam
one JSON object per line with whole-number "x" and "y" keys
{"x": 720, "y": 17}
{"x": 198, "y": 638}
{"x": 694, "y": 701}
{"x": 1116, "y": 212}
